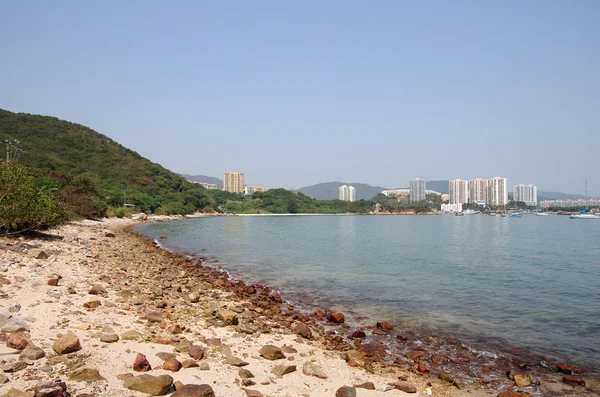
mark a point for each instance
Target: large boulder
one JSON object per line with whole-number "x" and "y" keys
{"x": 11, "y": 323}
{"x": 311, "y": 369}
{"x": 85, "y": 374}
{"x": 32, "y": 353}
{"x": 303, "y": 330}
{"x": 283, "y": 369}
{"x": 67, "y": 343}
{"x": 194, "y": 391}
{"x": 153, "y": 385}
{"x": 271, "y": 352}
{"x": 337, "y": 318}
{"x": 17, "y": 341}
{"x": 55, "y": 388}
{"x": 141, "y": 363}
{"x": 345, "y": 391}
{"x": 228, "y": 317}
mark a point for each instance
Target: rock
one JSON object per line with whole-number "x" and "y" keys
{"x": 11, "y": 323}
{"x": 194, "y": 297}
{"x": 139, "y": 217}
{"x": 109, "y": 233}
{"x": 228, "y": 317}
{"x": 253, "y": 393}
{"x": 446, "y": 377}
{"x": 573, "y": 380}
{"x": 153, "y": 385}
{"x": 55, "y": 388}
{"x": 32, "y": 353}
{"x": 171, "y": 364}
{"x": 203, "y": 366}
{"x": 373, "y": 349}
{"x": 124, "y": 376}
{"x": 53, "y": 282}
{"x": 422, "y": 368}
{"x": 17, "y": 341}
{"x": 12, "y": 392}
{"x": 358, "y": 334}
{"x": 175, "y": 329}
{"x": 303, "y": 330}
{"x": 366, "y": 385}
{"x": 245, "y": 374}
{"x": 385, "y": 326}
{"x": 189, "y": 363}
{"x": 154, "y": 317}
{"x": 522, "y": 380}
{"x": 97, "y": 290}
{"x": 337, "y": 318}
{"x": 38, "y": 254}
{"x": 109, "y": 338}
{"x": 345, "y": 391}
{"x": 141, "y": 364}
{"x": 354, "y": 358}
{"x": 569, "y": 369}
{"x": 15, "y": 366}
{"x": 131, "y": 335}
{"x": 14, "y": 308}
{"x": 311, "y": 369}
{"x": 271, "y": 352}
{"x": 164, "y": 355}
{"x": 196, "y": 352}
{"x": 67, "y": 343}
{"x": 92, "y": 304}
{"x": 405, "y": 387}
{"x": 85, "y": 374}
{"x": 163, "y": 237}
{"x": 283, "y": 369}
{"x": 248, "y": 382}
{"x": 3, "y": 379}
{"x": 513, "y": 394}
{"x": 236, "y": 362}
{"x": 184, "y": 346}
{"x": 194, "y": 391}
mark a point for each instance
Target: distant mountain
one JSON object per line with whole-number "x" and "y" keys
{"x": 204, "y": 178}
{"x": 329, "y": 190}
{"x": 559, "y": 196}
{"x": 438, "y": 186}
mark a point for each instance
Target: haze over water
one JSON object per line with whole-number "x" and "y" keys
{"x": 533, "y": 282}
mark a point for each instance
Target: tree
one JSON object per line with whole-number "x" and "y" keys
{"x": 25, "y": 205}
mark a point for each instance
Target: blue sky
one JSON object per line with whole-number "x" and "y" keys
{"x": 296, "y": 93}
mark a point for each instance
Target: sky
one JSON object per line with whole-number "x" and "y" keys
{"x": 297, "y": 93}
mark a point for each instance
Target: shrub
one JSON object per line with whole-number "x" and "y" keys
{"x": 24, "y": 204}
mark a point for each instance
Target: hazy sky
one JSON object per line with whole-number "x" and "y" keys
{"x": 299, "y": 92}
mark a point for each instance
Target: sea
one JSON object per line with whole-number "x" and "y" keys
{"x": 527, "y": 283}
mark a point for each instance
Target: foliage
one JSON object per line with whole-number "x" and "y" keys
{"x": 91, "y": 171}
{"x": 24, "y": 203}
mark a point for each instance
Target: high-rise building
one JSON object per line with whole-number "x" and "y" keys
{"x": 351, "y": 194}
{"x": 478, "y": 191}
{"x": 459, "y": 191}
{"x": 525, "y": 193}
{"x": 497, "y": 191}
{"x": 343, "y": 193}
{"x": 233, "y": 182}
{"x": 347, "y": 193}
{"x": 417, "y": 190}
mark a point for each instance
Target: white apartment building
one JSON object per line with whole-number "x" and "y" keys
{"x": 478, "y": 191}
{"x": 451, "y": 207}
{"x": 396, "y": 192}
{"x": 525, "y": 193}
{"x": 497, "y": 191}
{"x": 347, "y": 193}
{"x": 459, "y": 191}
{"x": 249, "y": 190}
{"x": 417, "y": 190}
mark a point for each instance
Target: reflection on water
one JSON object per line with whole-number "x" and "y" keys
{"x": 531, "y": 280}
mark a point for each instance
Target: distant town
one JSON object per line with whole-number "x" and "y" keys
{"x": 481, "y": 192}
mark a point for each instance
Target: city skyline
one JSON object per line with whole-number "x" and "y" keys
{"x": 516, "y": 95}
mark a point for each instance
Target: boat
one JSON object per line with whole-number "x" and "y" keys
{"x": 585, "y": 215}
{"x": 516, "y": 214}
{"x": 459, "y": 214}
{"x": 542, "y": 214}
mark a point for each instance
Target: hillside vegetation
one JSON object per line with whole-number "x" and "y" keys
{"x": 90, "y": 171}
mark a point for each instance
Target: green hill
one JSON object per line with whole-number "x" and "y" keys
{"x": 329, "y": 190}
{"x": 82, "y": 164}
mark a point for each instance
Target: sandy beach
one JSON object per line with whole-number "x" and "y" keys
{"x": 109, "y": 313}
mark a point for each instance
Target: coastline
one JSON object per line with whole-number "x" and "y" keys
{"x": 142, "y": 283}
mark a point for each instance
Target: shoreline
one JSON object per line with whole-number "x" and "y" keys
{"x": 193, "y": 303}
{"x": 486, "y": 360}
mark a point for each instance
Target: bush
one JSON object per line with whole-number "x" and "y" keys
{"x": 120, "y": 212}
{"x": 24, "y": 204}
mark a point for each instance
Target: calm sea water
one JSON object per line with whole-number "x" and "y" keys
{"x": 532, "y": 282}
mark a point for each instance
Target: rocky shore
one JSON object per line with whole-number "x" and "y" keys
{"x": 91, "y": 309}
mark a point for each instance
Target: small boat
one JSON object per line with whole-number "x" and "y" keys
{"x": 515, "y": 214}
{"x": 542, "y": 214}
{"x": 585, "y": 215}
{"x": 459, "y": 214}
